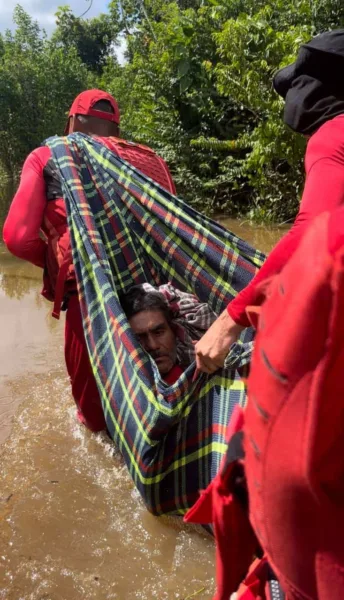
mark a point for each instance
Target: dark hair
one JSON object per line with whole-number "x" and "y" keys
{"x": 104, "y": 106}
{"x": 138, "y": 300}
{"x": 100, "y": 126}
{"x": 312, "y": 86}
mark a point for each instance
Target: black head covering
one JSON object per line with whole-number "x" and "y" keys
{"x": 313, "y": 86}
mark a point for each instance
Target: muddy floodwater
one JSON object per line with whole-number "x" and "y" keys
{"x": 72, "y": 526}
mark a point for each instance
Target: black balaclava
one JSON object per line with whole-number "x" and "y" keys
{"x": 313, "y": 86}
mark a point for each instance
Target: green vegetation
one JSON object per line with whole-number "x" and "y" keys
{"x": 196, "y": 86}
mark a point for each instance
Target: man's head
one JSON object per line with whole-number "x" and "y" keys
{"x": 94, "y": 112}
{"x": 150, "y": 319}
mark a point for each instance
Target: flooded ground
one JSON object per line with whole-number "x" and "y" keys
{"x": 72, "y": 526}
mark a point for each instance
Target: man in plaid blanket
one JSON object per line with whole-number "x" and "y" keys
{"x": 167, "y": 322}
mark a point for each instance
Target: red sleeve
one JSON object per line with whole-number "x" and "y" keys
{"x": 21, "y": 231}
{"x": 324, "y": 191}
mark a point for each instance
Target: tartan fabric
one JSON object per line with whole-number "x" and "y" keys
{"x": 126, "y": 230}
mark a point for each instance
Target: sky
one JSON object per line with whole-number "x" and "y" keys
{"x": 43, "y": 10}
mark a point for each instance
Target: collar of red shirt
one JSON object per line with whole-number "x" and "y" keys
{"x": 173, "y": 374}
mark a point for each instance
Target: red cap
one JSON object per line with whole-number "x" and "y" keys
{"x": 83, "y": 105}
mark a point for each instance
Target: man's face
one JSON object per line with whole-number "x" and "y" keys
{"x": 157, "y": 338}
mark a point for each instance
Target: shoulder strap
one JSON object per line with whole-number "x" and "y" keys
{"x": 52, "y": 181}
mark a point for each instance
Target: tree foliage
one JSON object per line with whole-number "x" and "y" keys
{"x": 37, "y": 83}
{"x": 196, "y": 86}
{"x": 91, "y": 38}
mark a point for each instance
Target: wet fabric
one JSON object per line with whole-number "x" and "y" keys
{"x": 127, "y": 230}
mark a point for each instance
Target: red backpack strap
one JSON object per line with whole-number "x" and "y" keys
{"x": 60, "y": 282}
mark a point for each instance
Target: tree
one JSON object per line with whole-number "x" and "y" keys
{"x": 92, "y": 39}
{"x": 38, "y": 82}
{"x": 198, "y": 88}
{"x": 169, "y": 94}
{"x": 253, "y": 45}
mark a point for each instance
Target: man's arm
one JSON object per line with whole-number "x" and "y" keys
{"x": 21, "y": 231}
{"x": 324, "y": 191}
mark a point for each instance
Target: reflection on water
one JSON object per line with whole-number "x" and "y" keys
{"x": 71, "y": 523}
{"x": 17, "y": 277}
{"x": 15, "y": 286}
{"x": 260, "y": 237}
{"x": 27, "y": 337}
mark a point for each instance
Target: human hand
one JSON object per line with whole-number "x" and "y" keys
{"x": 211, "y": 350}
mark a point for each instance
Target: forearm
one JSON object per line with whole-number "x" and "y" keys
{"x": 21, "y": 231}
{"x": 31, "y": 250}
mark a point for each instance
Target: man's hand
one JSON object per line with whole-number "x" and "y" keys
{"x": 211, "y": 350}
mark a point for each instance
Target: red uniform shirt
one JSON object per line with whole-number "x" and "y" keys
{"x": 25, "y": 218}
{"x": 323, "y": 191}
{"x": 173, "y": 375}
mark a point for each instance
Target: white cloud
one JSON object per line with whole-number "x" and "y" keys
{"x": 43, "y": 11}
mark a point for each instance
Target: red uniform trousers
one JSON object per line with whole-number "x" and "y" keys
{"x": 84, "y": 387}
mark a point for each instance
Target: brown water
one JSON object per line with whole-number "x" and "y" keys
{"x": 72, "y": 526}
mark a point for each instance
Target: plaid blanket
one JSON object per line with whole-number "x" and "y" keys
{"x": 126, "y": 230}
